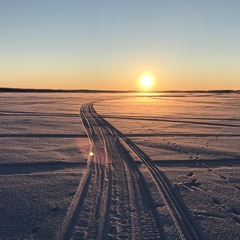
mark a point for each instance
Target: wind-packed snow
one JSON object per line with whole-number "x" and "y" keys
{"x": 193, "y": 138}
{"x": 41, "y": 163}
{"x": 195, "y": 141}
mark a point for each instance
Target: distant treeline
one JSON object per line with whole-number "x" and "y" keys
{"x": 204, "y": 91}
{"x": 60, "y": 90}
{"x": 108, "y": 91}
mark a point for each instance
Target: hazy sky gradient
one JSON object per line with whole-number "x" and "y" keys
{"x": 103, "y": 44}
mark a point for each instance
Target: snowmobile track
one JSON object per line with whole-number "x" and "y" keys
{"x": 113, "y": 200}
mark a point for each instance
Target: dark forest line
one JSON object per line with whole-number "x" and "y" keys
{"x": 109, "y": 91}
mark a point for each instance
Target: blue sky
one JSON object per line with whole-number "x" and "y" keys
{"x": 108, "y": 44}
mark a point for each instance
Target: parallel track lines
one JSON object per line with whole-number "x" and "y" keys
{"x": 96, "y": 176}
{"x": 182, "y": 218}
{"x": 187, "y": 227}
{"x": 112, "y": 200}
{"x": 75, "y": 207}
{"x": 127, "y": 189}
{"x": 102, "y": 175}
{"x": 143, "y": 203}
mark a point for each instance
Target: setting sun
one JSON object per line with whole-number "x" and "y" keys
{"x": 146, "y": 80}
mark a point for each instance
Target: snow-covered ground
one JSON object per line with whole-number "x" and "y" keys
{"x": 193, "y": 138}
{"x": 195, "y": 141}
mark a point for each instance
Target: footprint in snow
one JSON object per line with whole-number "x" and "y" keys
{"x": 35, "y": 229}
{"x": 55, "y": 209}
{"x": 190, "y": 174}
{"x": 236, "y": 219}
{"x": 223, "y": 177}
{"x": 216, "y": 200}
{"x": 72, "y": 194}
{"x": 235, "y": 210}
{"x": 192, "y": 183}
{"x": 237, "y": 187}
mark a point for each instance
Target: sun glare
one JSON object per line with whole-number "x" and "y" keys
{"x": 146, "y": 80}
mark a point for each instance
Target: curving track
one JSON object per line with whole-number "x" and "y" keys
{"x": 114, "y": 201}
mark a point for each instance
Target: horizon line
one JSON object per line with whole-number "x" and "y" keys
{"x": 9, "y": 89}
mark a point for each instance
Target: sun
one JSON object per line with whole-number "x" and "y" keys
{"x": 146, "y": 80}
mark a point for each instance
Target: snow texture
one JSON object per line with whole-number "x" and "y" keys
{"x": 48, "y": 186}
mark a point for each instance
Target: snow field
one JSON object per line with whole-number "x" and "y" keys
{"x": 195, "y": 141}
{"x": 192, "y": 138}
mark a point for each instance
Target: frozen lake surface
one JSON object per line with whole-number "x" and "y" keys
{"x": 50, "y": 185}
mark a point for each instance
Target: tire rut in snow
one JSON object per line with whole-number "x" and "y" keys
{"x": 187, "y": 227}
{"x": 115, "y": 201}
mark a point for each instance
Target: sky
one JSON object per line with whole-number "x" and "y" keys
{"x": 108, "y": 44}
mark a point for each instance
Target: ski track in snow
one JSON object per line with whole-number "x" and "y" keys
{"x": 113, "y": 200}
{"x": 126, "y": 190}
